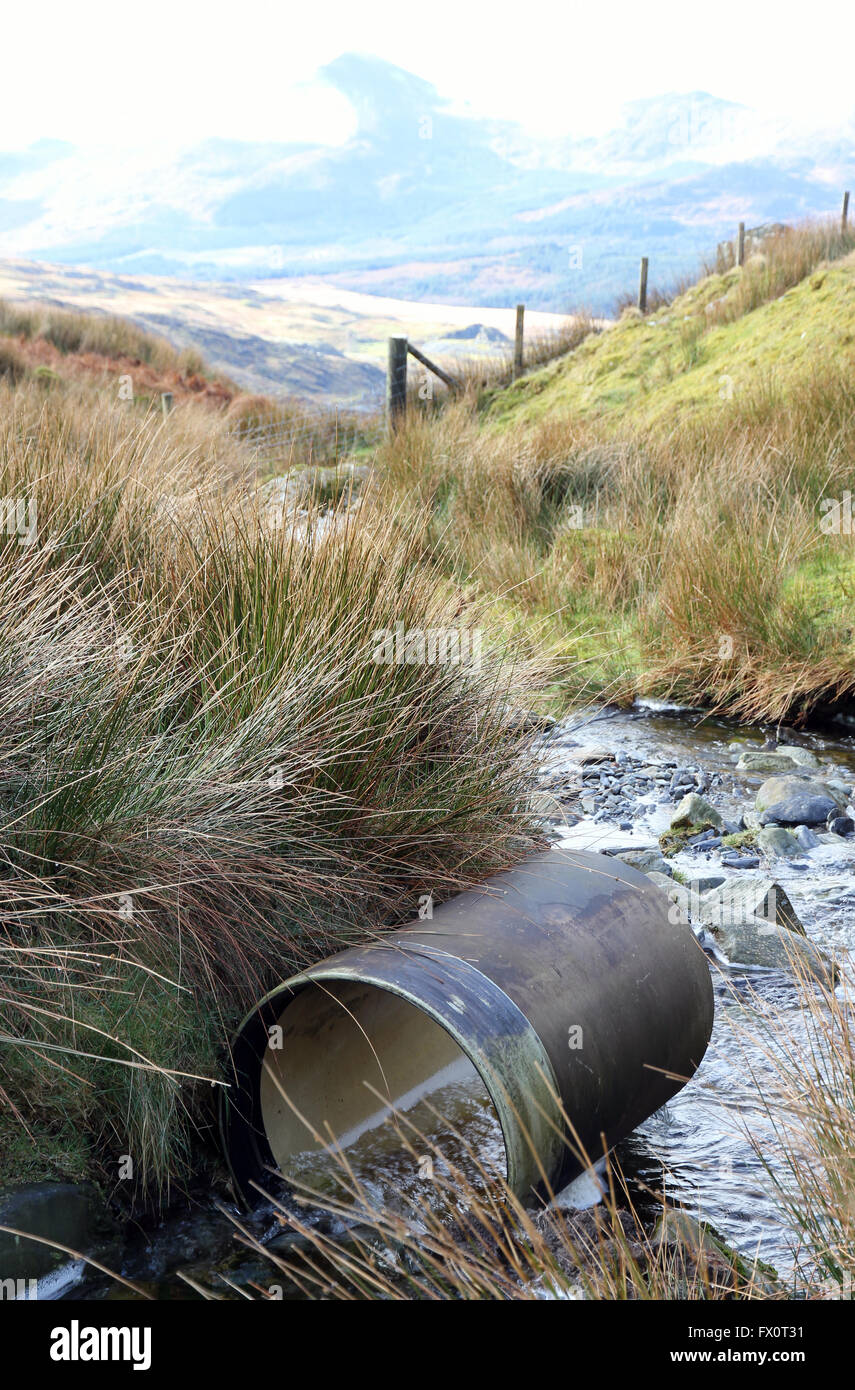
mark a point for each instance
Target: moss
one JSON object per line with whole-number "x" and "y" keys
{"x": 672, "y": 841}
{"x": 745, "y": 839}
{"x": 43, "y": 1152}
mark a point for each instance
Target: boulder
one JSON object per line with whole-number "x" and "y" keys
{"x": 741, "y": 900}
{"x": 592, "y": 753}
{"x": 705, "y": 883}
{"x": 782, "y": 760}
{"x": 754, "y": 923}
{"x": 795, "y": 800}
{"x": 756, "y": 942}
{"x": 649, "y": 861}
{"x": 662, "y": 880}
{"x": 682, "y": 902}
{"x": 696, "y": 811}
{"x": 778, "y": 843}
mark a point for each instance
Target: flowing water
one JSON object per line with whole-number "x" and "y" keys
{"x": 700, "y": 1139}
{"x": 697, "y": 1146}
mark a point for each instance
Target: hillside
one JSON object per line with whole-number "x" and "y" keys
{"x": 690, "y": 358}
{"x": 667, "y": 508}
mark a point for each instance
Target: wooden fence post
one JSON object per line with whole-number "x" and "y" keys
{"x": 740, "y": 245}
{"x": 396, "y": 382}
{"x": 642, "y": 286}
{"x": 518, "y": 341}
{"x": 844, "y": 216}
{"x": 166, "y": 402}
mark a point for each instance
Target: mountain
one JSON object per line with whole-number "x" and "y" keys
{"x": 422, "y": 202}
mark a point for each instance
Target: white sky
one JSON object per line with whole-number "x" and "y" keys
{"x": 109, "y": 72}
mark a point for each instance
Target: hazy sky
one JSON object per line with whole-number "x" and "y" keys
{"x": 116, "y": 73}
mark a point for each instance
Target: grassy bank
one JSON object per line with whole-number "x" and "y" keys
{"x": 665, "y": 507}
{"x": 205, "y": 777}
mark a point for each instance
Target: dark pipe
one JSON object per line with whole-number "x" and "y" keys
{"x": 563, "y": 981}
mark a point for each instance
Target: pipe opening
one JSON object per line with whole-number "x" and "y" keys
{"x": 376, "y": 1075}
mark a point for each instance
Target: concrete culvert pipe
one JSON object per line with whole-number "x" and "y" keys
{"x": 561, "y": 987}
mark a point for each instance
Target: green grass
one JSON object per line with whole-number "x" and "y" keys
{"x": 682, "y": 362}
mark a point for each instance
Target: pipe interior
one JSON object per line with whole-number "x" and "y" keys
{"x": 351, "y": 1056}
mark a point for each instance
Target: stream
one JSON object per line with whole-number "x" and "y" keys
{"x": 696, "y": 1147}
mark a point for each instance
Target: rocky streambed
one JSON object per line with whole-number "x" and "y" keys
{"x": 754, "y": 846}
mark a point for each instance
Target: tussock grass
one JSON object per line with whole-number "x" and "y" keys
{"x": 778, "y": 261}
{"x": 73, "y": 331}
{"x": 476, "y": 377}
{"x": 205, "y": 778}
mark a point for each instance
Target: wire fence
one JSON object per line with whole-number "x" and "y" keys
{"x": 320, "y": 436}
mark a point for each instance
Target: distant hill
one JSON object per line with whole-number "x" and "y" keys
{"x": 295, "y": 338}
{"x": 423, "y": 203}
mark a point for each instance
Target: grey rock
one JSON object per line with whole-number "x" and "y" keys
{"x": 782, "y": 760}
{"x": 756, "y": 942}
{"x": 705, "y": 883}
{"x": 778, "y": 843}
{"x": 740, "y": 861}
{"x": 793, "y": 800}
{"x": 682, "y": 903}
{"x": 695, "y": 810}
{"x": 661, "y": 879}
{"x": 647, "y": 860}
{"x": 741, "y": 900}
{"x": 806, "y": 837}
{"x": 592, "y": 753}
